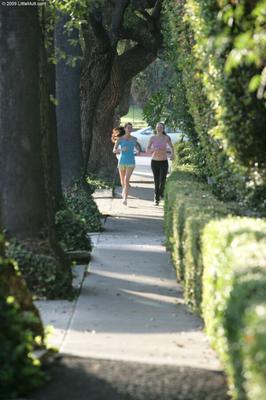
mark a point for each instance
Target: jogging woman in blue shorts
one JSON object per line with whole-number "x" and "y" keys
{"x": 125, "y": 145}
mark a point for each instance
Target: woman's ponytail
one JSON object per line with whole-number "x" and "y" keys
{"x": 117, "y": 132}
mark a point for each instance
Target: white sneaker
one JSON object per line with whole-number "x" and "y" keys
{"x": 124, "y": 202}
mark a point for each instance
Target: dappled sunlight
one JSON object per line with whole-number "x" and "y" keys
{"x": 187, "y": 347}
{"x": 153, "y": 296}
{"x": 134, "y": 247}
{"x": 131, "y": 307}
{"x": 140, "y": 280}
{"x": 139, "y": 218}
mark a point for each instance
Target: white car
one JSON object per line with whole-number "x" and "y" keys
{"x": 143, "y": 135}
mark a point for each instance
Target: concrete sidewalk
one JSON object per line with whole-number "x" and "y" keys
{"x": 130, "y": 307}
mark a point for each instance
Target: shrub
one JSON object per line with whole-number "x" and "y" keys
{"x": 219, "y": 47}
{"x": 81, "y": 203}
{"x": 71, "y": 231}
{"x": 184, "y": 154}
{"x": 234, "y": 253}
{"x": 220, "y": 260}
{"x": 94, "y": 182}
{"x": 253, "y": 344}
{"x": 189, "y": 207}
{"x": 20, "y": 334}
{"x": 39, "y": 269}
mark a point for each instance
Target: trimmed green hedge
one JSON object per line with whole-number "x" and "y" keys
{"x": 189, "y": 206}
{"x": 254, "y": 344}
{"x": 220, "y": 260}
{"x": 234, "y": 279}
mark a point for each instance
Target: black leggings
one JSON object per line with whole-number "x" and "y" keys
{"x": 159, "y": 170}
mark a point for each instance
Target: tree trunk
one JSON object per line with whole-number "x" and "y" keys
{"x": 49, "y": 70}
{"x": 21, "y": 173}
{"x": 68, "y": 108}
{"x": 100, "y": 50}
{"x": 102, "y": 161}
{"x": 56, "y": 171}
{"x": 49, "y": 140}
{"x": 27, "y": 209}
{"x": 124, "y": 68}
{"x": 123, "y": 106}
{"x": 105, "y": 26}
{"x": 124, "y": 102}
{"x": 95, "y": 76}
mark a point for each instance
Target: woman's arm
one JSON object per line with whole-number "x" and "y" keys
{"x": 149, "y": 144}
{"x": 137, "y": 151}
{"x": 115, "y": 149}
{"x": 171, "y": 147}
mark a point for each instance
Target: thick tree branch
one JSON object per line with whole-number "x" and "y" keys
{"x": 146, "y": 31}
{"x": 146, "y": 15}
{"x": 132, "y": 34}
{"x": 136, "y": 60}
{"x": 143, "y": 4}
{"x": 96, "y": 22}
{"x": 157, "y": 9}
{"x": 117, "y": 19}
{"x": 143, "y": 33}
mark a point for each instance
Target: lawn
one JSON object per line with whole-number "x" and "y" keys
{"x": 135, "y": 117}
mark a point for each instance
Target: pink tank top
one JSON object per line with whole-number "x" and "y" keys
{"x": 160, "y": 143}
{"x": 159, "y": 146}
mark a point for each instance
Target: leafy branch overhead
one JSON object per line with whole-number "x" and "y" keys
{"x": 112, "y": 20}
{"x": 131, "y": 20}
{"x": 106, "y": 70}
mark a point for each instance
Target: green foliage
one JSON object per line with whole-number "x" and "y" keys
{"x": 71, "y": 231}
{"x": 234, "y": 279}
{"x": 228, "y": 119}
{"x": 221, "y": 262}
{"x": 184, "y": 154}
{"x": 253, "y": 345}
{"x": 153, "y": 79}
{"x": 20, "y": 372}
{"x": 189, "y": 206}
{"x": 94, "y": 182}
{"x": 81, "y": 203}
{"x": 77, "y": 11}
{"x": 135, "y": 116}
{"x": 40, "y": 270}
{"x": 164, "y": 99}
{"x": 153, "y": 111}
{"x": 130, "y": 17}
{"x": 247, "y": 41}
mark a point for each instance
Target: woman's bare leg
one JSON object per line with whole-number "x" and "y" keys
{"x": 122, "y": 174}
{"x": 126, "y": 180}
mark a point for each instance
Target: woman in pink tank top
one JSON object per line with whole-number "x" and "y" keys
{"x": 158, "y": 144}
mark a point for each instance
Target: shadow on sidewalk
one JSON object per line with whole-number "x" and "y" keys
{"x": 73, "y": 378}
{"x": 142, "y": 193}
